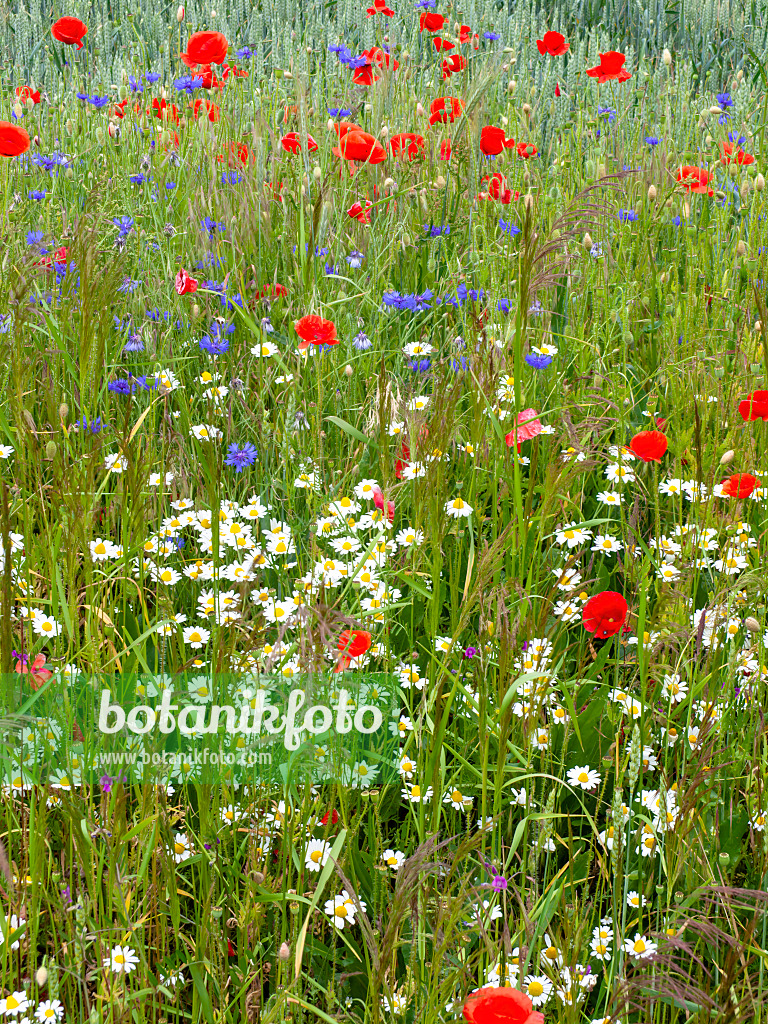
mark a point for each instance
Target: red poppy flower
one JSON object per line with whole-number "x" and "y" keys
{"x": 24, "y": 93}
{"x": 207, "y": 48}
{"x": 48, "y": 261}
{"x": 445, "y": 110}
{"x": 740, "y": 485}
{"x": 527, "y": 427}
{"x": 332, "y": 816}
{"x": 69, "y": 31}
{"x": 381, "y": 58}
{"x": 407, "y": 144}
{"x": 604, "y": 614}
{"x": 273, "y": 291}
{"x": 754, "y": 407}
{"x": 185, "y": 285}
{"x": 164, "y": 110}
{"x": 526, "y": 150}
{"x": 362, "y": 147}
{"x": 445, "y": 149}
{"x": 453, "y": 64}
{"x": 230, "y": 948}
{"x": 493, "y": 141}
{"x": 741, "y": 157}
{"x": 402, "y": 460}
{"x": 354, "y": 642}
{"x": 202, "y": 107}
{"x": 13, "y": 140}
{"x": 291, "y": 143}
{"x": 441, "y": 45}
{"x": 649, "y": 445}
{"x": 365, "y": 75}
{"x": 553, "y": 43}
{"x": 497, "y": 189}
{"x": 36, "y": 672}
{"x": 491, "y": 1005}
{"x": 557, "y": 89}
{"x": 380, "y": 7}
{"x": 610, "y": 68}
{"x": 381, "y": 505}
{"x": 313, "y": 330}
{"x": 431, "y": 22}
{"x": 695, "y": 179}
{"x": 465, "y": 34}
{"x": 356, "y": 210}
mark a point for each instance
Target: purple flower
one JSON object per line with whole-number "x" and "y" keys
{"x": 241, "y": 458}
{"x": 106, "y": 783}
{"x": 470, "y": 652}
{"x": 538, "y": 362}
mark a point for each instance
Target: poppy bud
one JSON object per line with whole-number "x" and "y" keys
{"x": 100, "y": 135}
{"x": 739, "y": 75}
{"x": 708, "y": 140}
{"x": 389, "y": 183}
{"x": 667, "y": 57}
{"x": 727, "y": 457}
{"x": 30, "y": 103}
{"x": 194, "y": 312}
{"x": 180, "y": 14}
{"x": 348, "y": 371}
{"x": 528, "y": 202}
{"x": 744, "y": 190}
{"x": 511, "y": 87}
{"x": 759, "y": 183}
{"x": 527, "y": 109}
{"x": 50, "y": 451}
{"x": 587, "y": 240}
{"x": 63, "y": 411}
{"x": 285, "y": 951}
{"x": 741, "y": 249}
{"x": 752, "y": 624}
{"x": 652, "y": 194}
{"x": 733, "y": 170}
{"x": 317, "y": 173}
{"x": 440, "y": 182}
{"x": 18, "y": 110}
{"x": 420, "y": 111}
{"x": 258, "y": 877}
{"x": 758, "y": 325}
{"x": 41, "y": 977}
{"x": 384, "y": 131}
{"x": 601, "y": 170}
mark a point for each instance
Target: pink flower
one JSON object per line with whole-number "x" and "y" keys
{"x": 185, "y": 285}
{"x": 528, "y": 426}
{"x": 37, "y": 673}
{"x": 378, "y": 501}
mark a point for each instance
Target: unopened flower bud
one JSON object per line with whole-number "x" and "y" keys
{"x": 601, "y": 170}
{"x": 667, "y": 57}
{"x": 63, "y": 411}
{"x": 29, "y": 103}
{"x": 752, "y": 624}
{"x": 317, "y": 173}
{"x": 41, "y": 977}
{"x": 384, "y": 131}
{"x": 727, "y": 457}
{"x": 285, "y": 951}
{"x": 758, "y": 325}
{"x": 50, "y": 451}
{"x": 18, "y": 109}
{"x": 527, "y": 109}
{"x": 528, "y": 202}
{"x": 440, "y": 181}
{"x": 587, "y": 240}
{"x": 195, "y": 311}
{"x": 652, "y": 194}
{"x": 348, "y": 371}
{"x": 180, "y": 14}
{"x": 741, "y": 248}
{"x": 420, "y": 111}
{"x": 511, "y": 86}
{"x": 759, "y": 183}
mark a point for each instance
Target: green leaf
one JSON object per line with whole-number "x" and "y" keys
{"x": 349, "y": 429}
{"x": 205, "y": 999}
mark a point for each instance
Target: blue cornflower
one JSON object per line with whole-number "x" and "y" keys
{"x": 627, "y": 216}
{"x": 425, "y": 5}
{"x": 724, "y": 100}
{"x": 188, "y": 84}
{"x": 34, "y": 237}
{"x": 217, "y": 329}
{"x": 211, "y": 226}
{"x": 214, "y": 348}
{"x": 130, "y": 284}
{"x": 137, "y": 179}
{"x": 241, "y": 458}
{"x": 98, "y": 101}
{"x": 135, "y": 84}
{"x": 124, "y": 225}
{"x": 362, "y": 342}
{"x": 170, "y": 185}
{"x": 651, "y": 140}
{"x": 339, "y": 112}
{"x": 95, "y": 426}
{"x": 244, "y": 53}
{"x": 83, "y": 96}
{"x": 230, "y": 301}
{"x": 266, "y": 325}
{"x": 355, "y": 259}
{"x": 608, "y": 112}
{"x": 436, "y": 230}
{"x": 213, "y": 286}
{"x": 121, "y": 386}
{"x": 509, "y": 227}
{"x": 152, "y": 77}
{"x": 37, "y": 194}
{"x": 134, "y": 343}
{"x": 677, "y": 221}
{"x": 331, "y": 270}
{"x": 459, "y": 365}
{"x": 739, "y": 140}
{"x": 535, "y": 309}
{"x": 724, "y": 118}
{"x": 5, "y": 322}
{"x": 353, "y": 63}
{"x": 491, "y": 36}
{"x": 538, "y": 362}
{"x": 231, "y": 178}
{"x": 503, "y": 306}
{"x": 419, "y": 365}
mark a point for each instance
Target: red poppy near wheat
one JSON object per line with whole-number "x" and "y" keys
{"x": 185, "y": 285}
{"x": 527, "y": 427}
{"x": 453, "y": 64}
{"x": 525, "y": 150}
{"x": 291, "y": 143}
{"x": 313, "y": 330}
{"x": 13, "y": 140}
{"x": 69, "y": 31}
{"x": 754, "y": 407}
{"x": 36, "y": 671}
{"x": 431, "y": 22}
{"x": 361, "y": 147}
{"x": 380, "y": 7}
{"x": 610, "y": 68}
{"x": 360, "y": 213}
{"x": 740, "y": 485}
{"x": 741, "y": 158}
{"x": 206, "y": 48}
{"x": 407, "y": 144}
{"x": 445, "y": 110}
{"x": 695, "y": 179}
{"x": 553, "y": 44}
{"x": 441, "y": 45}
{"x": 25, "y": 92}
{"x": 491, "y": 1005}
{"x": 649, "y": 445}
{"x": 493, "y": 141}
{"x": 604, "y": 614}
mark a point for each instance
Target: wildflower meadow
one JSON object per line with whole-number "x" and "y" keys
{"x": 383, "y": 535}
